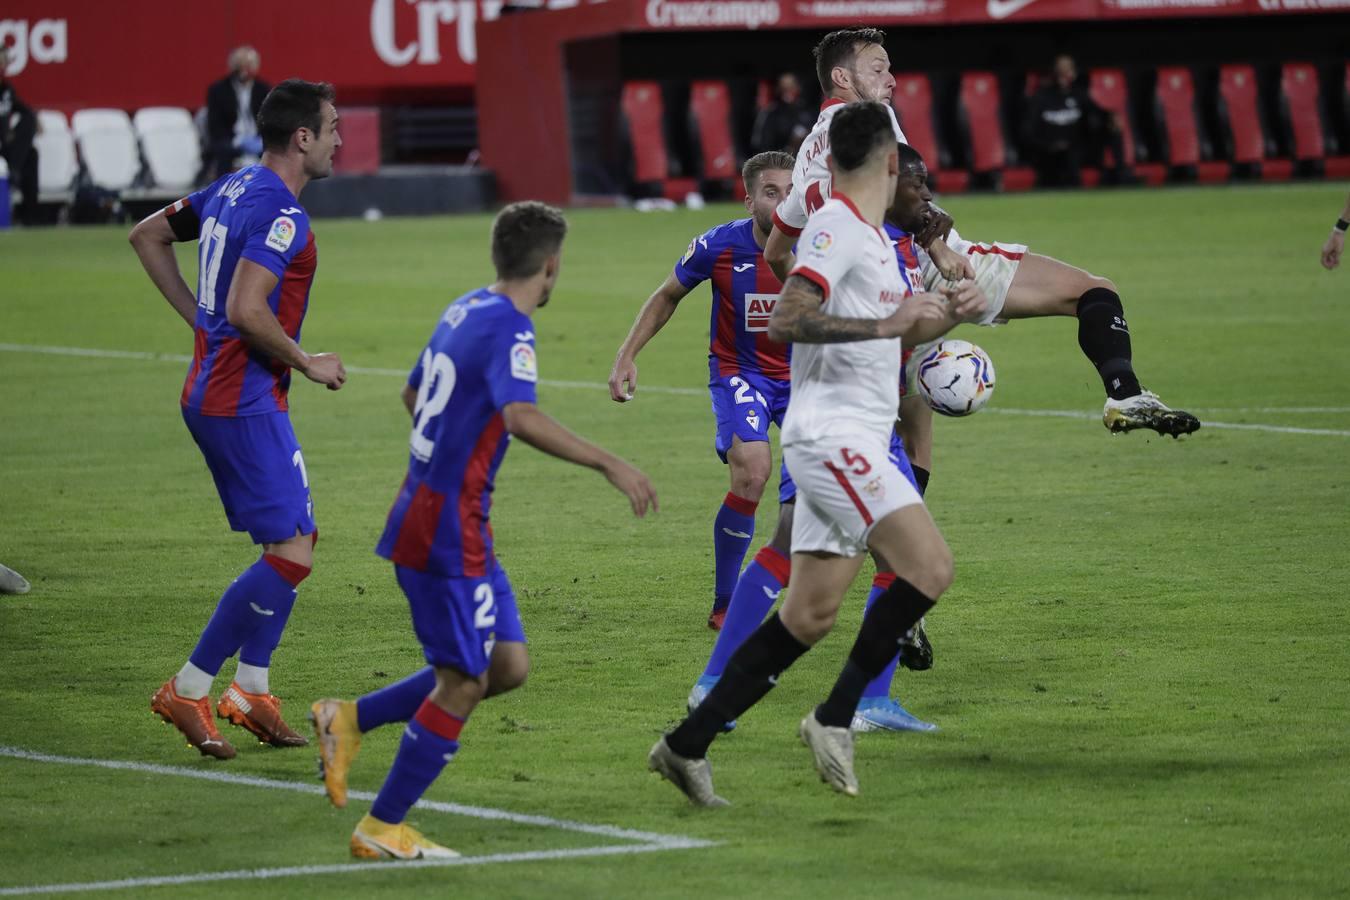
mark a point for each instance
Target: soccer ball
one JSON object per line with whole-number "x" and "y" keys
{"x": 956, "y": 378}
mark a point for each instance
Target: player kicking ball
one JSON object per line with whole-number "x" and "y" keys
{"x": 847, "y": 289}
{"x": 747, "y": 372}
{"x": 472, "y": 389}
{"x": 257, "y": 264}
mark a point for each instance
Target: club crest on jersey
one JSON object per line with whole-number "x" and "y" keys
{"x": 281, "y": 235}
{"x": 758, "y": 309}
{"x": 523, "y": 363}
{"x": 752, "y": 419}
{"x": 876, "y": 488}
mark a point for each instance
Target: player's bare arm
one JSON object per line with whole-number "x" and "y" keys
{"x": 409, "y": 395}
{"x": 1335, "y": 245}
{"x": 778, "y": 253}
{"x": 953, "y": 266}
{"x": 153, "y": 241}
{"x": 545, "y": 433}
{"x": 247, "y": 310}
{"x": 797, "y": 317}
{"x": 653, "y": 316}
{"x": 965, "y": 302}
{"x": 936, "y": 225}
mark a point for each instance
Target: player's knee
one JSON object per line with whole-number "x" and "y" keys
{"x": 939, "y": 570}
{"x": 808, "y": 623}
{"x": 512, "y": 675}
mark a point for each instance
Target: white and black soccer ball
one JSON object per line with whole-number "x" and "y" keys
{"x": 956, "y": 378}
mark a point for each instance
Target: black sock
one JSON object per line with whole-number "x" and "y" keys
{"x": 1105, "y": 339}
{"x": 921, "y": 475}
{"x": 751, "y": 673}
{"x": 891, "y": 617}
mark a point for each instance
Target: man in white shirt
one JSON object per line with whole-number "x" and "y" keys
{"x": 847, "y": 289}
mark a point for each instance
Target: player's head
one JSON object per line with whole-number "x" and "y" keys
{"x": 527, "y": 241}
{"x": 852, "y": 64}
{"x": 1065, "y": 71}
{"x": 244, "y": 63}
{"x": 299, "y": 117}
{"x": 768, "y": 178}
{"x": 862, "y": 138}
{"x": 910, "y": 205}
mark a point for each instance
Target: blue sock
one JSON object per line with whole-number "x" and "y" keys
{"x": 256, "y": 604}
{"x": 429, "y": 742}
{"x": 881, "y": 685}
{"x": 732, "y": 531}
{"x": 754, "y": 596}
{"x": 397, "y": 702}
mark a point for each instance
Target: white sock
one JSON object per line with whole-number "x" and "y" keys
{"x": 192, "y": 683}
{"x": 251, "y": 678}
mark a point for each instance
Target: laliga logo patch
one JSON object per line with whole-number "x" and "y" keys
{"x": 689, "y": 254}
{"x": 523, "y": 364}
{"x": 282, "y": 233}
{"x": 455, "y": 315}
{"x": 821, "y": 242}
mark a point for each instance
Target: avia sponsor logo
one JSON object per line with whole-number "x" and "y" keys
{"x": 758, "y": 309}
{"x": 871, "y": 9}
{"x": 749, "y": 14}
{"x": 432, "y": 16}
{"x": 44, "y": 43}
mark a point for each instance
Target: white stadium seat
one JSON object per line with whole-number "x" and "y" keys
{"x": 172, "y": 150}
{"x": 57, "y": 163}
{"x": 108, "y": 147}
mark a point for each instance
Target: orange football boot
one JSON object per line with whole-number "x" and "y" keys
{"x": 260, "y": 714}
{"x": 193, "y": 719}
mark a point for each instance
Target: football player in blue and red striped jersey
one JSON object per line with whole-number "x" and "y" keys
{"x": 257, "y": 263}
{"x": 747, "y": 372}
{"x": 471, "y": 390}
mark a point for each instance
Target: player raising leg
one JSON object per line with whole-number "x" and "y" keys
{"x": 257, "y": 264}
{"x": 472, "y": 389}
{"x": 748, "y": 373}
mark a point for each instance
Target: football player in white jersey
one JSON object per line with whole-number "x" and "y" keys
{"x": 846, "y": 289}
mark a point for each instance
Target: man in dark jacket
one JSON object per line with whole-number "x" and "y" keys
{"x": 784, "y": 123}
{"x": 18, "y": 127}
{"x": 232, "y": 105}
{"x": 1065, "y": 128}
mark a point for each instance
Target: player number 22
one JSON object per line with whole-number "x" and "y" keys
{"x": 438, "y": 380}
{"x": 485, "y": 616}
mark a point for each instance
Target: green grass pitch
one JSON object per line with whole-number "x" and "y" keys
{"x": 1141, "y": 670}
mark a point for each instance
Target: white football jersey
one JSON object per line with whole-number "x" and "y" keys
{"x": 811, "y": 175}
{"x": 846, "y": 388}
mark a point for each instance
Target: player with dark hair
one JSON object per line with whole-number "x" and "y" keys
{"x": 472, "y": 389}
{"x": 257, "y": 264}
{"x": 846, "y": 289}
{"x": 748, "y": 373}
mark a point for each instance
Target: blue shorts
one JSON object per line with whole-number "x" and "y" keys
{"x": 459, "y": 618}
{"x": 744, "y": 406}
{"x": 899, "y": 459}
{"x": 259, "y": 473}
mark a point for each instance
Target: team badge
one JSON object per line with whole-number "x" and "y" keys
{"x": 876, "y": 488}
{"x": 523, "y": 364}
{"x": 282, "y": 234}
{"x": 752, "y": 419}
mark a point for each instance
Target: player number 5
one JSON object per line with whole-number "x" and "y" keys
{"x": 856, "y": 462}
{"x": 438, "y": 380}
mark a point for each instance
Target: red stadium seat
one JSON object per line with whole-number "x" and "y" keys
{"x": 1301, "y": 100}
{"x": 980, "y": 107}
{"x": 1109, "y": 90}
{"x": 1176, "y": 101}
{"x": 913, "y": 102}
{"x": 1240, "y": 113}
{"x": 710, "y": 103}
{"x": 360, "y": 151}
{"x": 643, "y": 113}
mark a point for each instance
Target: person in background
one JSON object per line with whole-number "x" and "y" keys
{"x": 18, "y": 127}
{"x": 232, "y": 105}
{"x": 784, "y": 123}
{"x": 1065, "y": 128}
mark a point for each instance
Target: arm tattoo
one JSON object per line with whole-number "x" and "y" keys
{"x": 797, "y": 318}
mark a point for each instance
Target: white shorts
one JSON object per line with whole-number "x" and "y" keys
{"x": 994, "y": 264}
{"x": 845, "y": 485}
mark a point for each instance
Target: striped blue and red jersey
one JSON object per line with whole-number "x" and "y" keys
{"x": 907, "y": 255}
{"x": 249, "y": 214}
{"x": 480, "y": 358}
{"x": 744, "y": 292}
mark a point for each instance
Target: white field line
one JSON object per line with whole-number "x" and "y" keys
{"x": 644, "y": 841}
{"x": 701, "y": 392}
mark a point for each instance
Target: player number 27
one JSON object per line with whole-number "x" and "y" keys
{"x": 211, "y": 246}
{"x": 438, "y": 381}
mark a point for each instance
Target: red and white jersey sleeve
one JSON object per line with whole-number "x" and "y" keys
{"x": 846, "y": 387}
{"x": 811, "y": 176}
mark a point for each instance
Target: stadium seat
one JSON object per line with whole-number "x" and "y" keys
{"x": 1239, "y": 114}
{"x": 1109, "y": 89}
{"x": 1175, "y": 97}
{"x": 107, "y": 147}
{"x": 913, "y": 102}
{"x": 643, "y": 113}
{"x": 57, "y": 162}
{"x": 360, "y": 150}
{"x": 980, "y": 113}
{"x": 173, "y": 154}
{"x": 710, "y": 106}
{"x": 1300, "y": 103}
